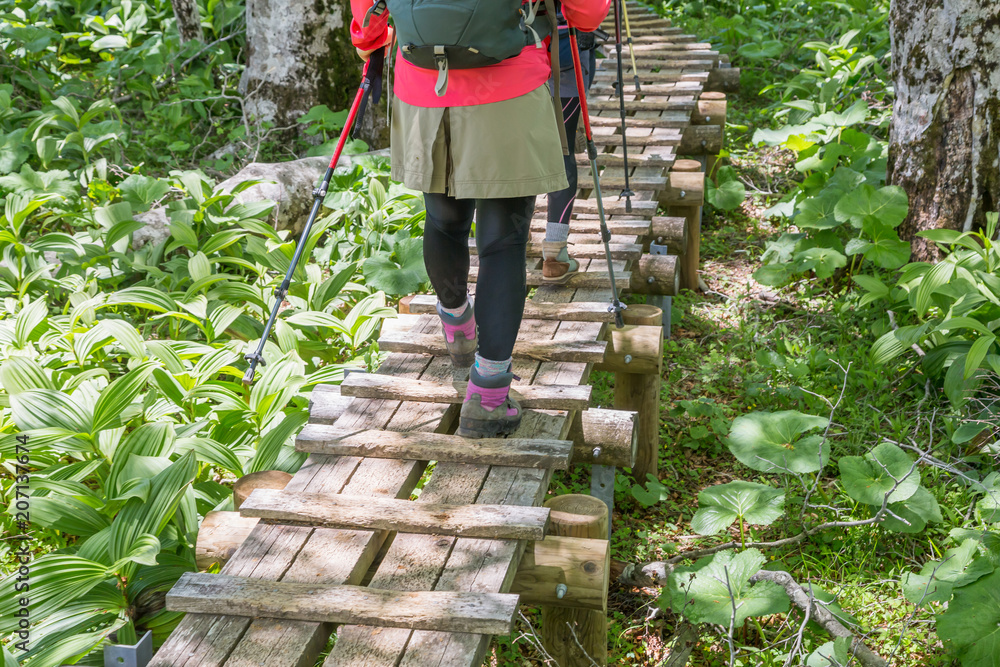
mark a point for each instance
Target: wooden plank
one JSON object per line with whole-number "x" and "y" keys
{"x": 200, "y": 592}
{"x": 520, "y": 452}
{"x": 618, "y": 251}
{"x": 616, "y": 140}
{"x": 553, "y": 397}
{"x": 580, "y": 225}
{"x": 336, "y": 510}
{"x": 662, "y": 161}
{"x": 584, "y": 279}
{"x": 649, "y": 103}
{"x": 539, "y": 350}
{"x": 612, "y": 205}
{"x": 534, "y": 310}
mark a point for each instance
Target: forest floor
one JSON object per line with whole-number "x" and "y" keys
{"x": 736, "y": 348}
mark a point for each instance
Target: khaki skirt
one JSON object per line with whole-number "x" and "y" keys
{"x": 485, "y": 151}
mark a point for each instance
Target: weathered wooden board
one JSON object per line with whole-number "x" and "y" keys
{"x": 551, "y": 397}
{"x": 518, "y": 452}
{"x": 539, "y": 350}
{"x": 200, "y": 592}
{"x": 535, "y": 310}
{"x": 584, "y": 279}
{"x": 336, "y": 510}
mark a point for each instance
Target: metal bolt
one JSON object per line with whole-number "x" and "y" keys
{"x": 704, "y": 143}
{"x": 683, "y": 194}
{"x": 708, "y": 119}
{"x": 659, "y": 240}
{"x": 628, "y": 358}
{"x": 561, "y": 591}
{"x": 650, "y": 280}
{"x": 597, "y": 452}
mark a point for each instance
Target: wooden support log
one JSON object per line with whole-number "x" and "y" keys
{"x": 712, "y": 111}
{"x": 544, "y": 397}
{"x": 587, "y": 279}
{"x": 220, "y": 535}
{"x": 641, "y": 393}
{"x": 701, "y": 140}
{"x": 265, "y": 479}
{"x": 422, "y": 446}
{"x": 326, "y": 403}
{"x": 670, "y": 231}
{"x": 724, "y": 80}
{"x": 487, "y": 613}
{"x": 605, "y": 437}
{"x": 687, "y": 189}
{"x": 655, "y": 274}
{"x": 335, "y": 510}
{"x": 577, "y": 563}
{"x": 691, "y": 261}
{"x": 584, "y": 351}
{"x": 634, "y": 349}
{"x": 576, "y": 516}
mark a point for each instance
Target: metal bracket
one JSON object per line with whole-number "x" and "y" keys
{"x": 661, "y": 301}
{"x": 602, "y": 486}
{"x": 137, "y": 655}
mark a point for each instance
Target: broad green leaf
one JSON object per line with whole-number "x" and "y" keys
{"x": 773, "y": 442}
{"x": 402, "y": 272}
{"x": 884, "y": 248}
{"x": 989, "y": 505}
{"x": 960, "y": 566}
{"x": 977, "y": 353}
{"x": 142, "y": 191}
{"x": 18, "y": 374}
{"x": 272, "y": 442}
{"x": 938, "y": 275}
{"x": 142, "y": 297}
{"x": 119, "y": 394}
{"x": 914, "y": 513}
{"x": 56, "y": 579}
{"x": 888, "y": 205}
{"x": 719, "y": 506}
{"x": 28, "y": 320}
{"x": 728, "y": 194}
{"x": 823, "y": 261}
{"x": 971, "y": 624}
{"x": 65, "y": 514}
{"x": 817, "y": 213}
{"x": 868, "y": 479}
{"x": 143, "y": 552}
{"x": 42, "y": 408}
{"x": 702, "y": 592}
{"x": 756, "y": 50}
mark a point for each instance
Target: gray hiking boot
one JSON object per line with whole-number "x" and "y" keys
{"x": 488, "y": 410}
{"x": 460, "y": 336}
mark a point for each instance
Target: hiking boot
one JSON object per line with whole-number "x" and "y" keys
{"x": 488, "y": 410}
{"x": 460, "y": 336}
{"x": 557, "y": 266}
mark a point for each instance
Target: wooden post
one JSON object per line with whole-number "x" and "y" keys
{"x": 576, "y": 515}
{"x": 711, "y": 110}
{"x": 641, "y": 393}
{"x": 692, "y": 252}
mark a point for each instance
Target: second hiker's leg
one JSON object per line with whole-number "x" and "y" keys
{"x": 446, "y": 258}
{"x": 558, "y": 266}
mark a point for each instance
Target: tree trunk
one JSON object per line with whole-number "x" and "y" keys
{"x": 188, "y": 19}
{"x": 945, "y": 132}
{"x": 299, "y": 56}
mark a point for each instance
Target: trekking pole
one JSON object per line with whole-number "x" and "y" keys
{"x": 631, "y": 50}
{"x": 370, "y": 83}
{"x": 627, "y": 192}
{"x": 616, "y": 305}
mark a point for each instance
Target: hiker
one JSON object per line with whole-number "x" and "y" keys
{"x": 557, "y": 265}
{"x": 474, "y": 128}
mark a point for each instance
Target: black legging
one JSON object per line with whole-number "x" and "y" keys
{"x": 561, "y": 203}
{"x": 502, "y": 230}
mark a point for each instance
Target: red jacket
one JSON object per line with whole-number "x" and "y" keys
{"x": 506, "y": 80}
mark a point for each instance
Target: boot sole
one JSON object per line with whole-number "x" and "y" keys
{"x": 561, "y": 279}
{"x": 463, "y": 360}
{"x": 486, "y": 428}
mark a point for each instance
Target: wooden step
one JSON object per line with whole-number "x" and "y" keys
{"x": 420, "y": 446}
{"x": 444, "y": 611}
{"x": 542, "y": 397}
{"x": 646, "y": 76}
{"x": 612, "y": 206}
{"x": 582, "y": 351}
{"x": 585, "y": 226}
{"x": 633, "y": 141}
{"x": 335, "y": 510}
{"x": 617, "y": 160}
{"x": 652, "y": 183}
{"x": 585, "y": 251}
{"x": 648, "y": 104}
{"x": 585, "y": 279}
{"x": 577, "y": 311}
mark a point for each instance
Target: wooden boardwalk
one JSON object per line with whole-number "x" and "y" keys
{"x": 345, "y": 547}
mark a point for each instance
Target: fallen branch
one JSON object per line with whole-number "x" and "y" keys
{"x": 826, "y": 620}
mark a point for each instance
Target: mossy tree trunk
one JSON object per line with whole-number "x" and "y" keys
{"x": 945, "y": 133}
{"x": 188, "y": 19}
{"x": 299, "y": 56}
